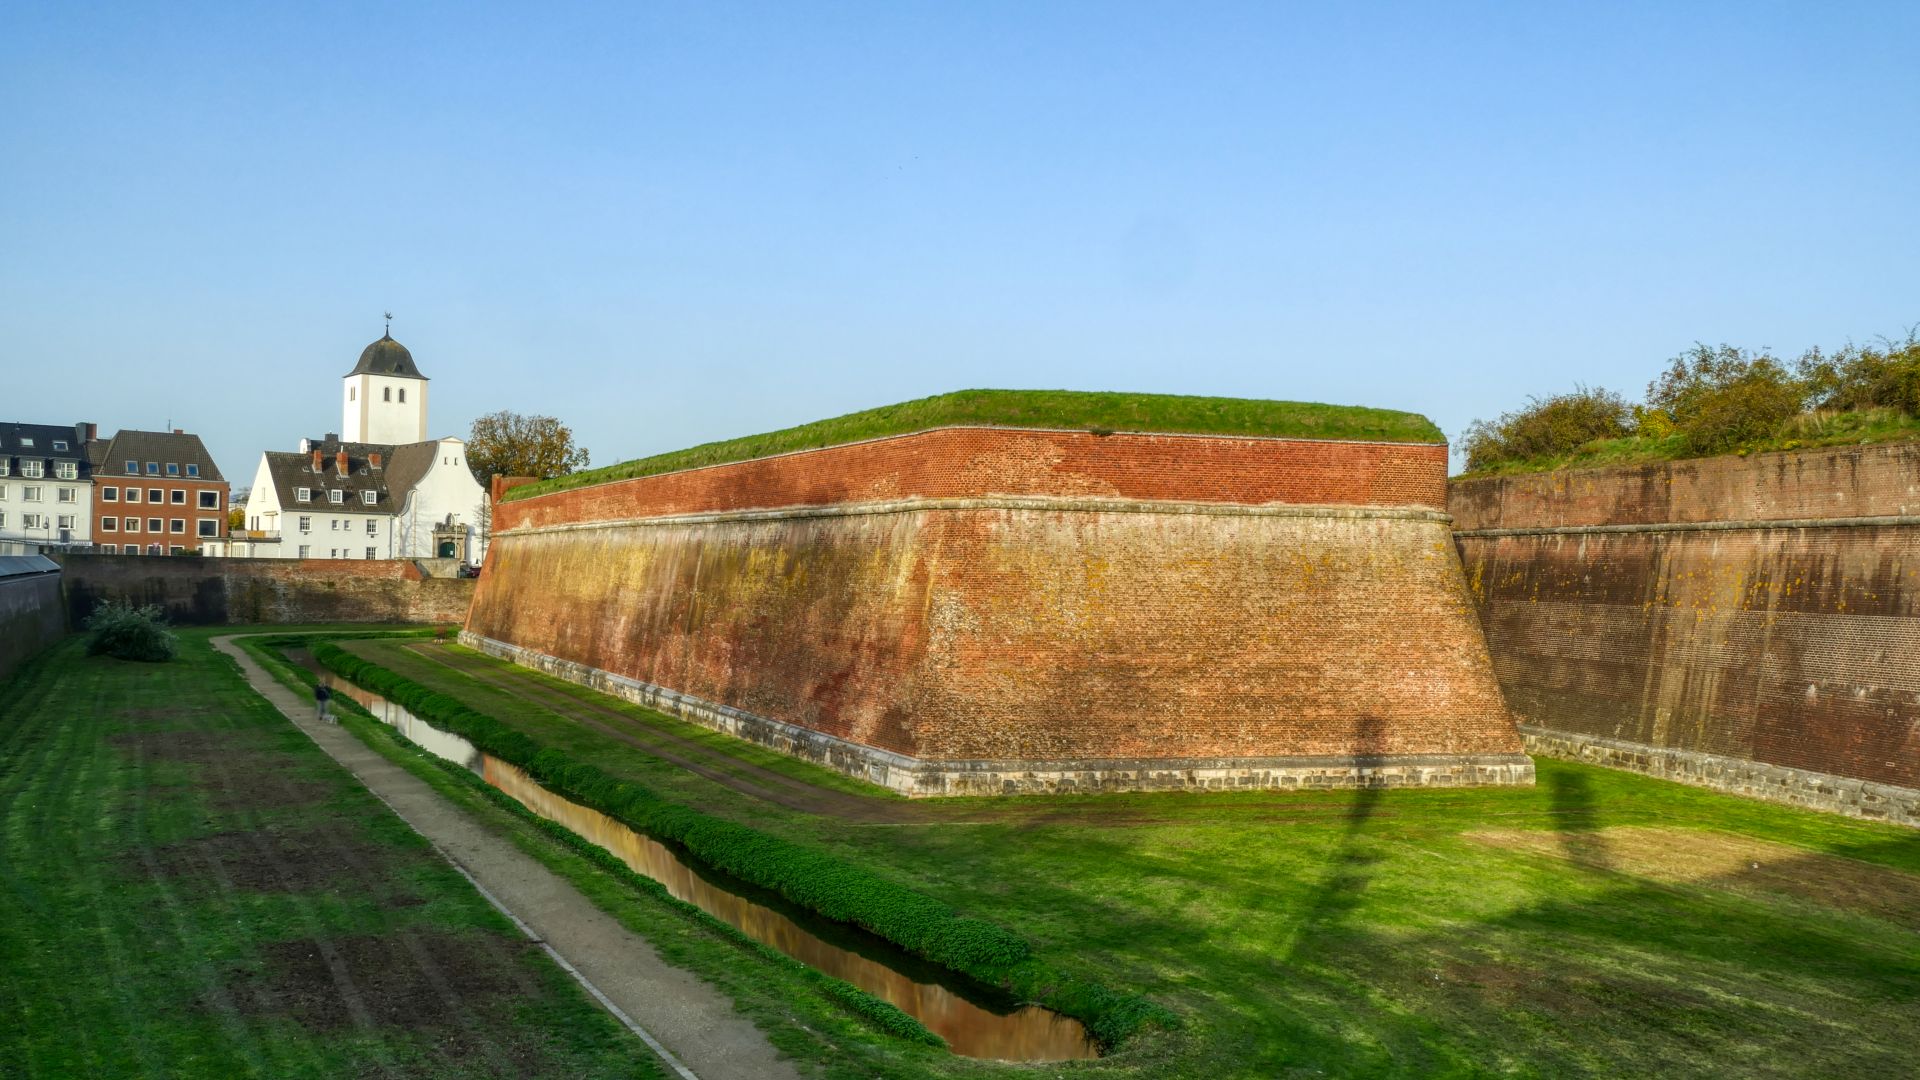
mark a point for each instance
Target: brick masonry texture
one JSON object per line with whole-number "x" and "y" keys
{"x": 201, "y": 592}
{"x": 31, "y": 617}
{"x": 1078, "y": 642}
{"x": 965, "y": 462}
{"x": 1795, "y": 648}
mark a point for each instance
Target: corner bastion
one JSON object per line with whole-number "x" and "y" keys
{"x": 986, "y": 610}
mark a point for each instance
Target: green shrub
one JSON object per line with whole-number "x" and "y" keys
{"x": 1723, "y": 398}
{"x": 130, "y": 633}
{"x": 1858, "y": 377}
{"x": 1548, "y": 427}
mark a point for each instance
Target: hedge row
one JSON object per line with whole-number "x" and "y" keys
{"x": 816, "y": 881}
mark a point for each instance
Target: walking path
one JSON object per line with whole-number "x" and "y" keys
{"x": 670, "y": 1008}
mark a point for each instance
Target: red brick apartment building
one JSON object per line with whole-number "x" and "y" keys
{"x": 155, "y": 493}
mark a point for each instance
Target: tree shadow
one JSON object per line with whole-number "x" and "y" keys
{"x": 1351, "y": 867}
{"x": 1576, "y": 817}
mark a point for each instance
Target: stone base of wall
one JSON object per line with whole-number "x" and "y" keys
{"x": 914, "y": 777}
{"x": 1773, "y": 783}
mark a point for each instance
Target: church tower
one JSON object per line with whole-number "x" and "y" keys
{"x": 385, "y": 397}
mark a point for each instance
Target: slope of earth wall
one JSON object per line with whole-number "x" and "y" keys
{"x": 1751, "y": 624}
{"x": 988, "y": 610}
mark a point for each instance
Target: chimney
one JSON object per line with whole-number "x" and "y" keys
{"x": 332, "y": 436}
{"x": 373, "y": 459}
{"x": 87, "y": 431}
{"x": 179, "y": 431}
{"x": 318, "y": 464}
{"x": 340, "y": 462}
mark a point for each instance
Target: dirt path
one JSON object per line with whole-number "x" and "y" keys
{"x": 695, "y": 1022}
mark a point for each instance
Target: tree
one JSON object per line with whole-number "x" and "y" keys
{"x": 509, "y": 444}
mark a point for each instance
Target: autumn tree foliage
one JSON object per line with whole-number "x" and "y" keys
{"x": 510, "y": 444}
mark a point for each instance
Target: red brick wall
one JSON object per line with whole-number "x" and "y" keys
{"x": 203, "y": 591}
{"x": 188, "y": 512}
{"x": 974, "y": 633}
{"x": 959, "y": 462}
{"x": 1797, "y": 647}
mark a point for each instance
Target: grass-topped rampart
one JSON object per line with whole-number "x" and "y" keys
{"x": 1069, "y": 410}
{"x": 811, "y": 879}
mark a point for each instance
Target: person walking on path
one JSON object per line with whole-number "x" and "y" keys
{"x": 322, "y": 697}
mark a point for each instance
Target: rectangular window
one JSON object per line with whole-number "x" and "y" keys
{"x": 209, "y": 500}
{"x": 180, "y": 496}
{"x": 333, "y": 553}
{"x": 156, "y": 495}
{"x": 31, "y": 494}
{"x": 5, "y": 467}
{"x": 132, "y": 524}
{"x": 65, "y": 495}
{"x": 109, "y": 524}
{"x": 32, "y": 470}
{"x": 3, "y": 491}
{"x": 59, "y": 444}
{"x": 67, "y": 470}
{"x": 153, "y": 468}
{"x": 173, "y": 468}
{"x": 30, "y": 521}
{"x": 133, "y": 494}
{"x": 333, "y": 524}
{"x": 368, "y": 497}
{"x": 155, "y": 525}
{"x": 193, "y": 470}
{"x": 109, "y": 494}
{"x": 306, "y": 524}
{"x": 353, "y": 393}
{"x": 303, "y": 551}
{"x": 3, "y": 520}
{"x": 336, "y": 496}
{"x": 108, "y": 549}
{"x": 179, "y": 525}
{"x": 176, "y": 550}
{"x": 26, "y": 440}
{"x": 373, "y": 528}
{"x": 303, "y": 494}
{"x": 209, "y": 527}
{"x": 369, "y": 553}
{"x": 133, "y": 468}
{"x": 66, "y": 521}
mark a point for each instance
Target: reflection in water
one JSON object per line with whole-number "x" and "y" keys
{"x": 1027, "y": 1033}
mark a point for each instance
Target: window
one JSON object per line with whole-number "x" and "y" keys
{"x": 132, "y": 524}
{"x": 209, "y": 500}
{"x": 386, "y": 393}
{"x": 31, "y": 494}
{"x": 303, "y": 494}
{"x": 368, "y": 497}
{"x": 193, "y": 470}
{"x": 154, "y": 549}
{"x": 180, "y": 496}
{"x": 333, "y": 524}
{"x": 176, "y": 550}
{"x": 32, "y": 470}
{"x": 65, "y": 495}
{"x": 156, "y": 495}
{"x": 373, "y": 528}
{"x": 173, "y": 468}
{"x": 26, "y": 440}
{"x": 209, "y": 527}
{"x": 370, "y": 553}
{"x": 333, "y": 553}
{"x": 133, "y": 468}
{"x": 133, "y": 494}
{"x": 3, "y": 520}
{"x": 306, "y": 523}
{"x": 109, "y": 494}
{"x": 353, "y": 393}
{"x": 130, "y": 549}
{"x": 5, "y": 467}
{"x": 59, "y": 444}
{"x": 30, "y": 521}
{"x": 155, "y": 525}
{"x": 303, "y": 551}
{"x": 403, "y": 395}
{"x": 67, "y": 470}
{"x": 179, "y": 525}
{"x": 336, "y": 496}
{"x": 108, "y": 549}
{"x": 109, "y": 524}
{"x": 66, "y": 521}
{"x": 153, "y": 469}
{"x": 3, "y": 491}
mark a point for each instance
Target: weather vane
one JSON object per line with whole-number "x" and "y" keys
{"x": 389, "y": 323}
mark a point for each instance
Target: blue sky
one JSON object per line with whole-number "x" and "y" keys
{"x": 669, "y": 224}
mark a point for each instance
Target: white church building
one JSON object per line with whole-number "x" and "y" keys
{"x": 378, "y": 489}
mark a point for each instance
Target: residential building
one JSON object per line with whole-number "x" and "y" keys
{"x": 156, "y": 493}
{"x": 46, "y": 489}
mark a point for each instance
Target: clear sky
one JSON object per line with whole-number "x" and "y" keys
{"x": 672, "y": 223}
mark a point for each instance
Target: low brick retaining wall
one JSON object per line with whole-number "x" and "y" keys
{"x": 214, "y": 591}
{"x": 32, "y": 616}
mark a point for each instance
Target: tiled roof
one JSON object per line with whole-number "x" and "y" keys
{"x": 387, "y": 357}
{"x": 170, "y": 453}
{"x": 46, "y": 443}
{"x": 401, "y": 468}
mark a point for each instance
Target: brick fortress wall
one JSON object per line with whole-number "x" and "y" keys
{"x": 984, "y": 610}
{"x": 201, "y": 591}
{"x": 1750, "y": 624}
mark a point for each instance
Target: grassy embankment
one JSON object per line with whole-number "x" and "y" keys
{"x": 192, "y": 888}
{"x": 1810, "y": 430}
{"x": 1057, "y": 409}
{"x": 1598, "y": 924}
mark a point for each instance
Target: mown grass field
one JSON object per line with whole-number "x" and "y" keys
{"x": 1058, "y": 409}
{"x": 1599, "y": 924}
{"x": 191, "y": 888}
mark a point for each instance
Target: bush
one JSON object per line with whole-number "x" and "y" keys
{"x": 1858, "y": 378}
{"x": 130, "y": 633}
{"x": 1719, "y": 399}
{"x": 1548, "y": 427}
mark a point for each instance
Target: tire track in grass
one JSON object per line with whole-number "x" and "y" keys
{"x": 23, "y": 747}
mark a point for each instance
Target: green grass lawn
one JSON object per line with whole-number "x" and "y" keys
{"x": 1059, "y": 409}
{"x": 192, "y": 888}
{"x": 1600, "y": 923}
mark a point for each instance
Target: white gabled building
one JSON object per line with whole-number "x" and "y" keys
{"x": 383, "y": 491}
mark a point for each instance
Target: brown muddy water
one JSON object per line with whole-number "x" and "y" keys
{"x": 976, "y": 1021}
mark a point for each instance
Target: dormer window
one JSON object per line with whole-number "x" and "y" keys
{"x": 153, "y": 468}
{"x": 193, "y": 470}
{"x": 336, "y": 496}
{"x": 59, "y": 444}
{"x": 303, "y": 494}
{"x": 368, "y": 497}
{"x": 32, "y": 470}
{"x": 67, "y": 470}
{"x": 133, "y": 468}
{"x": 173, "y": 469}
{"x": 26, "y": 440}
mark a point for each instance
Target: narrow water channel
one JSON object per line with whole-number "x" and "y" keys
{"x": 976, "y": 1021}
